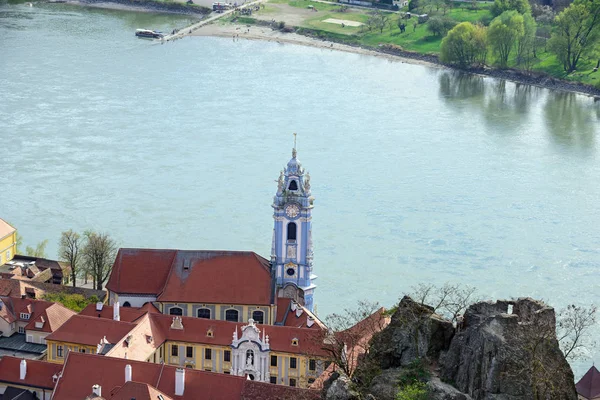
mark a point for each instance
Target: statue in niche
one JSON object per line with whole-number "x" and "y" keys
{"x": 250, "y": 359}
{"x": 280, "y": 182}
{"x": 307, "y": 182}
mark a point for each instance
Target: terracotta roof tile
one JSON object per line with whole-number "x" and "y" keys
{"x": 39, "y": 373}
{"x": 127, "y": 314}
{"x": 138, "y": 391}
{"x": 589, "y": 385}
{"x": 260, "y": 391}
{"x": 140, "y": 271}
{"x": 53, "y": 315}
{"x": 298, "y": 318}
{"x": 82, "y": 329}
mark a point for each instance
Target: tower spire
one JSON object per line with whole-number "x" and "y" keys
{"x": 294, "y": 152}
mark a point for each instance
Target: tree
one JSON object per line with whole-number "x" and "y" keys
{"x": 526, "y": 43}
{"x": 500, "y": 6}
{"x": 449, "y": 300}
{"x": 464, "y": 45}
{"x": 350, "y": 333}
{"x": 503, "y": 33}
{"x": 378, "y": 20}
{"x": 99, "y": 255}
{"x": 39, "y": 251}
{"x": 439, "y": 26}
{"x": 70, "y": 246}
{"x": 577, "y": 30}
{"x": 573, "y": 328}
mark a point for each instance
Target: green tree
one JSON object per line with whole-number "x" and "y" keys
{"x": 39, "y": 251}
{"x": 500, "y": 6}
{"x": 503, "y": 33}
{"x": 464, "y": 45}
{"x": 526, "y": 43}
{"x": 439, "y": 26}
{"x": 576, "y": 31}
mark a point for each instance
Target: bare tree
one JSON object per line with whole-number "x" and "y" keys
{"x": 378, "y": 20}
{"x": 573, "y": 328}
{"x": 99, "y": 254}
{"x": 70, "y": 246}
{"x": 449, "y": 300}
{"x": 350, "y": 333}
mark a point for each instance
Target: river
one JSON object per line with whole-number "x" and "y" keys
{"x": 420, "y": 174}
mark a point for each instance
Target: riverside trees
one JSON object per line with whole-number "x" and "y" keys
{"x": 465, "y": 45}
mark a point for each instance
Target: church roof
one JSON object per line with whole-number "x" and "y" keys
{"x": 589, "y": 385}
{"x": 187, "y": 276}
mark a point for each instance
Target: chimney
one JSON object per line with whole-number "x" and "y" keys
{"x": 23, "y": 370}
{"x": 116, "y": 314}
{"x": 179, "y": 381}
{"x": 310, "y": 321}
{"x": 128, "y": 373}
{"x": 97, "y": 390}
{"x": 99, "y": 306}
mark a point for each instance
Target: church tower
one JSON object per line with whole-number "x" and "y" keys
{"x": 292, "y": 250}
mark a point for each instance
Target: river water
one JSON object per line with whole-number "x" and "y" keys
{"x": 420, "y": 174}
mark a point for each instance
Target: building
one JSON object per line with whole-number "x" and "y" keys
{"x": 8, "y": 242}
{"x": 588, "y": 387}
{"x": 284, "y": 355}
{"x": 18, "y": 375}
{"x": 86, "y": 376}
{"x": 37, "y": 290}
{"x": 36, "y": 269}
{"x": 25, "y": 324}
{"x": 214, "y": 284}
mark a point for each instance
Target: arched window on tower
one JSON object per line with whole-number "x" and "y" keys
{"x": 176, "y": 311}
{"x": 231, "y": 315}
{"x": 293, "y": 185}
{"x": 291, "y": 231}
{"x": 258, "y": 317}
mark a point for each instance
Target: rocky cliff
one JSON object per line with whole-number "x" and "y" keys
{"x": 503, "y": 350}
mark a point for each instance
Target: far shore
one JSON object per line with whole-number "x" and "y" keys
{"x": 259, "y": 32}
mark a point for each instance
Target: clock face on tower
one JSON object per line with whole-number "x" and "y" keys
{"x": 292, "y": 210}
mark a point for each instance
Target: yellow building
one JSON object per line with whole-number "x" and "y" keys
{"x": 8, "y": 242}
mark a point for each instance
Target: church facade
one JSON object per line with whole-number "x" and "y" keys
{"x": 190, "y": 283}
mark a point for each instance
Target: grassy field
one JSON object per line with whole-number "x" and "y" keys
{"x": 416, "y": 37}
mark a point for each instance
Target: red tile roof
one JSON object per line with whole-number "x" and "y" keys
{"x": 82, "y": 329}
{"x": 140, "y": 271}
{"x": 589, "y": 385}
{"x": 299, "y": 318}
{"x": 82, "y": 371}
{"x": 137, "y": 391}
{"x": 53, "y": 315}
{"x": 193, "y": 276}
{"x": 127, "y": 314}
{"x": 39, "y": 373}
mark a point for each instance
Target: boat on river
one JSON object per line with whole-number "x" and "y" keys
{"x": 149, "y": 34}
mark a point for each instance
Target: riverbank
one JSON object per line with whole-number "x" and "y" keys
{"x": 308, "y": 38}
{"x": 151, "y": 6}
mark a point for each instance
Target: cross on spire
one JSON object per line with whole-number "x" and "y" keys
{"x": 294, "y": 149}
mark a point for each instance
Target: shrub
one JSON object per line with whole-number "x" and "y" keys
{"x": 414, "y": 391}
{"x": 75, "y": 302}
{"x": 439, "y": 26}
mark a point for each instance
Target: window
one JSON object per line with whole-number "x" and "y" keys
{"x": 231, "y": 315}
{"x": 294, "y": 342}
{"x": 25, "y": 316}
{"x": 293, "y": 361}
{"x": 293, "y": 185}
{"x": 29, "y": 339}
{"x": 203, "y": 313}
{"x": 189, "y": 352}
{"x": 208, "y": 369}
{"x": 21, "y": 329}
{"x": 207, "y": 354}
{"x": 126, "y": 304}
{"x": 291, "y": 231}
{"x": 258, "y": 317}
{"x": 273, "y": 379}
{"x": 174, "y": 350}
{"x": 160, "y": 352}
{"x": 189, "y": 366}
{"x": 7, "y": 255}
{"x": 59, "y": 351}
{"x": 312, "y": 365}
{"x": 227, "y": 356}
{"x": 311, "y": 381}
{"x": 226, "y": 372}
{"x": 292, "y": 382}
{"x": 175, "y": 311}
{"x": 82, "y": 350}
{"x": 273, "y": 361}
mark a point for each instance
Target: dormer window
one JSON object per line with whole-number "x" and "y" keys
{"x": 25, "y": 316}
{"x": 294, "y": 342}
{"x": 293, "y": 185}
{"x": 209, "y": 333}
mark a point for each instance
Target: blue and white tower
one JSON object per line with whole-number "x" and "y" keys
{"x": 292, "y": 249}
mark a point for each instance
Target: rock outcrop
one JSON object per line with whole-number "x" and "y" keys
{"x": 506, "y": 354}
{"x": 415, "y": 332}
{"x": 503, "y": 350}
